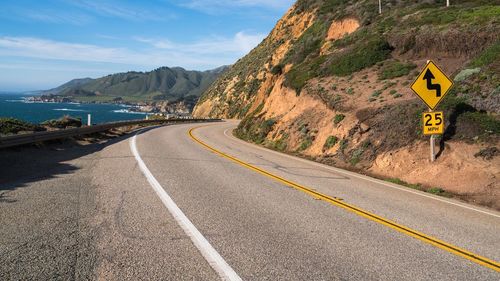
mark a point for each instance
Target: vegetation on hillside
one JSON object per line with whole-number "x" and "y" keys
{"x": 353, "y": 107}
{"x": 390, "y": 45}
{"x": 406, "y": 29}
{"x": 162, "y": 84}
{"x": 371, "y": 43}
{"x": 11, "y": 126}
{"x": 63, "y": 122}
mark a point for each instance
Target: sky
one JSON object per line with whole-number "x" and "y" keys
{"x": 45, "y": 43}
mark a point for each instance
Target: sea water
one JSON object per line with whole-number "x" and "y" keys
{"x": 16, "y": 106}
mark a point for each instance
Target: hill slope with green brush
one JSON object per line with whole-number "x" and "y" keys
{"x": 161, "y": 84}
{"x": 331, "y": 82}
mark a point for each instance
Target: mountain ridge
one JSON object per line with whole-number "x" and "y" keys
{"x": 161, "y": 84}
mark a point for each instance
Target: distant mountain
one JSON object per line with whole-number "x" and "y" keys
{"x": 162, "y": 84}
{"x": 69, "y": 85}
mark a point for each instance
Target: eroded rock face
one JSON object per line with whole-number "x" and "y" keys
{"x": 245, "y": 86}
{"x": 339, "y": 29}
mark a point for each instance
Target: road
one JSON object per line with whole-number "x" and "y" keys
{"x": 167, "y": 205}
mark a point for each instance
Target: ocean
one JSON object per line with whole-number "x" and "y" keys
{"x": 14, "y": 105}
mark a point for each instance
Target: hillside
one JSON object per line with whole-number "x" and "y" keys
{"x": 162, "y": 84}
{"x": 68, "y": 86}
{"x": 331, "y": 83}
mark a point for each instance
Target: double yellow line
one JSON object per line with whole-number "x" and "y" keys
{"x": 401, "y": 228}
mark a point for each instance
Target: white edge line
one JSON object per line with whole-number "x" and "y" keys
{"x": 363, "y": 177}
{"x": 209, "y": 253}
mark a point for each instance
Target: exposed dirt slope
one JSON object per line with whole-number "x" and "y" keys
{"x": 331, "y": 83}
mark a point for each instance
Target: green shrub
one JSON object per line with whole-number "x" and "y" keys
{"x": 338, "y": 118}
{"x": 435, "y": 190}
{"x": 330, "y": 142}
{"x": 488, "y": 56}
{"x": 280, "y": 144}
{"x": 305, "y": 144}
{"x": 298, "y": 76}
{"x": 395, "y": 69}
{"x": 343, "y": 144}
{"x": 466, "y": 73}
{"x": 359, "y": 57}
{"x": 387, "y": 85}
{"x": 401, "y": 182}
{"x": 10, "y": 126}
{"x": 63, "y": 122}
{"x": 308, "y": 44}
{"x": 478, "y": 15}
{"x": 356, "y": 156}
{"x": 244, "y": 111}
{"x": 304, "y": 131}
{"x": 269, "y": 123}
{"x": 277, "y": 69}
{"x": 396, "y": 181}
{"x": 376, "y": 93}
{"x": 485, "y": 121}
{"x": 254, "y": 129}
{"x": 253, "y": 86}
{"x": 350, "y": 91}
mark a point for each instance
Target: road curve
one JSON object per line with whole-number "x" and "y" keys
{"x": 260, "y": 226}
{"x": 267, "y": 230}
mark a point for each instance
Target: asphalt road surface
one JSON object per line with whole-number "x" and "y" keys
{"x": 167, "y": 205}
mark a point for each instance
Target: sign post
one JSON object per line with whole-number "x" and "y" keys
{"x": 431, "y": 86}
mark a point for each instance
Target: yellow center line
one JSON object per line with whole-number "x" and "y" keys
{"x": 401, "y": 228}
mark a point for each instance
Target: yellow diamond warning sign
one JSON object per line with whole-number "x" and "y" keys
{"x": 431, "y": 85}
{"x": 433, "y": 123}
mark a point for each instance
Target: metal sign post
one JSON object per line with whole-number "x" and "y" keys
{"x": 433, "y": 154}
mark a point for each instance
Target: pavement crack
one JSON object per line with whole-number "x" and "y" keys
{"x": 119, "y": 220}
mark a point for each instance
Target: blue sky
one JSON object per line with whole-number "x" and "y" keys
{"x": 44, "y": 43}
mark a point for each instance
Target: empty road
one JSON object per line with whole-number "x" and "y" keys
{"x": 192, "y": 202}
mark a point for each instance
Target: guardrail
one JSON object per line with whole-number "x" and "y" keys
{"x": 15, "y": 140}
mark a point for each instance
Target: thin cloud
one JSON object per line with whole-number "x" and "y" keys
{"x": 239, "y": 45}
{"x": 47, "y": 49}
{"x": 205, "y": 54}
{"x": 118, "y": 9}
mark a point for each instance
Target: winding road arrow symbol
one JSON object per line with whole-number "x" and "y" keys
{"x": 429, "y": 76}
